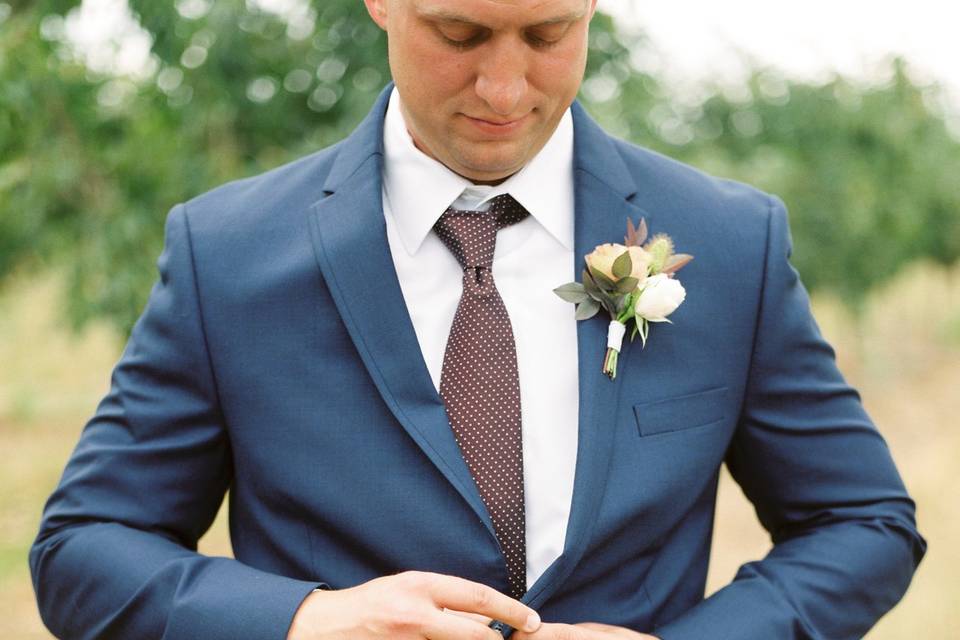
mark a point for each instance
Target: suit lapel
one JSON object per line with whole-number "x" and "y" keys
{"x": 349, "y": 235}
{"x": 603, "y": 187}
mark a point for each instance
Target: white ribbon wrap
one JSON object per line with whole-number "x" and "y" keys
{"x": 615, "y": 335}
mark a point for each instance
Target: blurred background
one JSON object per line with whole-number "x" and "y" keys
{"x": 111, "y": 113}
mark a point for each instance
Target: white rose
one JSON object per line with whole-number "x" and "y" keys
{"x": 661, "y": 296}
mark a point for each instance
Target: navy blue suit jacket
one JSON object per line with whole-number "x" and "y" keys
{"x": 276, "y": 358}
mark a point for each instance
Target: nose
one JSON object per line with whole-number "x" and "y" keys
{"x": 502, "y": 78}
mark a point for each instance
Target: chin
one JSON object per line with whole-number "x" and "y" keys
{"x": 489, "y": 174}
{"x": 490, "y": 168}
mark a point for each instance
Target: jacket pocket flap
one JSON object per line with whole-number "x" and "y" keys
{"x": 681, "y": 412}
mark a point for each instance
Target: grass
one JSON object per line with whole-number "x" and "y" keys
{"x": 903, "y": 353}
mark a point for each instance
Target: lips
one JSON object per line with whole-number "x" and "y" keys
{"x": 497, "y": 127}
{"x": 496, "y": 122}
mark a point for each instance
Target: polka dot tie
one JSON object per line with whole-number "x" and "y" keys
{"x": 478, "y": 382}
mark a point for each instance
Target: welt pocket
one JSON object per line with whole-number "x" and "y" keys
{"x": 681, "y": 412}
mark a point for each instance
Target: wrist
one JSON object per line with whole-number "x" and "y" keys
{"x": 311, "y": 611}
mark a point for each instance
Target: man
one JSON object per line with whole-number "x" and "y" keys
{"x": 314, "y": 330}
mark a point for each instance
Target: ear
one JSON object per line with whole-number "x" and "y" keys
{"x": 378, "y": 11}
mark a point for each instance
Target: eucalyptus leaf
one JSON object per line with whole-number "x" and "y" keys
{"x": 623, "y": 265}
{"x": 627, "y": 285}
{"x": 609, "y": 303}
{"x": 602, "y": 280}
{"x": 587, "y": 309}
{"x": 572, "y": 292}
{"x": 589, "y": 284}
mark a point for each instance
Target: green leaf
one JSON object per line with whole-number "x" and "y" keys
{"x": 612, "y": 305}
{"x": 587, "y": 309}
{"x": 621, "y": 304}
{"x": 589, "y": 284}
{"x": 623, "y": 265}
{"x": 627, "y": 285}
{"x": 602, "y": 281}
{"x": 598, "y": 294}
{"x": 572, "y": 292}
{"x": 626, "y": 310}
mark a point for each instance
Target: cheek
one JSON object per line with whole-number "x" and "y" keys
{"x": 435, "y": 73}
{"x": 559, "y": 75}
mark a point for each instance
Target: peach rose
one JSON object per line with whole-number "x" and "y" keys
{"x": 605, "y": 255}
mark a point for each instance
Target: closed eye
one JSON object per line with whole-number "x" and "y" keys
{"x": 462, "y": 44}
{"x": 532, "y": 40}
{"x": 540, "y": 43}
{"x": 460, "y": 35}
{"x": 548, "y": 35}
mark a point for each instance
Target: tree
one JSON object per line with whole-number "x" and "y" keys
{"x": 91, "y": 162}
{"x": 870, "y": 174}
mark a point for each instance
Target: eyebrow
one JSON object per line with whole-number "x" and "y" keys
{"x": 443, "y": 15}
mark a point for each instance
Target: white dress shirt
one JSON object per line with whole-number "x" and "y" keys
{"x": 531, "y": 258}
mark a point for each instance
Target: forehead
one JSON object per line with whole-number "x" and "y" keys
{"x": 497, "y": 12}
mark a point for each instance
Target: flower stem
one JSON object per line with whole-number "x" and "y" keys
{"x": 610, "y": 363}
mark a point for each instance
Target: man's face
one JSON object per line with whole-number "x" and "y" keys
{"x": 484, "y": 83}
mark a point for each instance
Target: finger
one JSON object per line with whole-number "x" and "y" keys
{"x": 596, "y": 626}
{"x": 476, "y": 617}
{"x": 472, "y": 597}
{"x": 614, "y": 630}
{"x": 607, "y": 628}
{"x": 446, "y": 625}
{"x": 556, "y": 631}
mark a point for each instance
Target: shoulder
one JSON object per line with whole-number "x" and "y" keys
{"x": 233, "y": 231}
{"x": 666, "y": 184}
{"x": 268, "y": 198}
{"x": 733, "y": 229}
{"x": 282, "y": 195}
{"x": 680, "y": 196}
{"x": 725, "y": 222}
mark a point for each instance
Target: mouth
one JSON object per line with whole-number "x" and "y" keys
{"x": 498, "y": 127}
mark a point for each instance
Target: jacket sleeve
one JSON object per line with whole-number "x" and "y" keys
{"x": 116, "y": 556}
{"x": 822, "y": 482}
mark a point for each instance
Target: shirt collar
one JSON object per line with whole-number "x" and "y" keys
{"x": 544, "y": 186}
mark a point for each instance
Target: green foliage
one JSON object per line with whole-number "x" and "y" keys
{"x": 91, "y": 163}
{"x": 871, "y": 176}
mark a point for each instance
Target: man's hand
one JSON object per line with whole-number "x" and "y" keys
{"x": 410, "y": 606}
{"x": 581, "y": 631}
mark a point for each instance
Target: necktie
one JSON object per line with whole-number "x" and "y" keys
{"x": 478, "y": 382}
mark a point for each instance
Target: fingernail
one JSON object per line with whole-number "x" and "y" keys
{"x": 533, "y": 622}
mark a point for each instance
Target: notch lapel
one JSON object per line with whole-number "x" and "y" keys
{"x": 349, "y": 235}
{"x": 603, "y": 187}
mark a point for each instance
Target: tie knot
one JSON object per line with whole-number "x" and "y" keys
{"x": 472, "y": 235}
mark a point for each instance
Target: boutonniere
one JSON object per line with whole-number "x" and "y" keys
{"x": 634, "y": 282}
